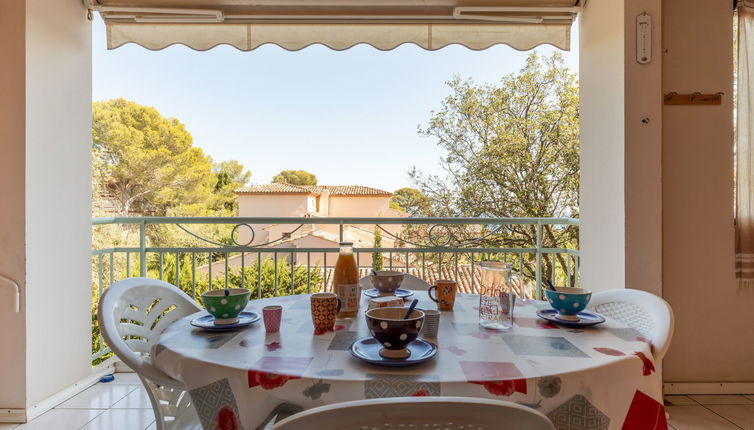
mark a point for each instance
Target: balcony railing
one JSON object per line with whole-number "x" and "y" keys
{"x": 280, "y": 256}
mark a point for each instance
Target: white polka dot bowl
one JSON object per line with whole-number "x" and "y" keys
{"x": 224, "y": 308}
{"x": 386, "y": 281}
{"x": 392, "y": 331}
{"x": 568, "y": 301}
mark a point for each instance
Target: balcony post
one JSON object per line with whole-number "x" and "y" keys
{"x": 143, "y": 249}
{"x": 538, "y": 281}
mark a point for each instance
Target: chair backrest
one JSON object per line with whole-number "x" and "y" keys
{"x": 410, "y": 282}
{"x": 414, "y": 283}
{"x": 648, "y": 314}
{"x": 419, "y": 412}
{"x": 133, "y": 312}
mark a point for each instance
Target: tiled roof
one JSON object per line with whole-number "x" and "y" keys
{"x": 276, "y": 188}
{"x": 351, "y": 190}
{"x": 431, "y": 274}
{"x": 335, "y": 190}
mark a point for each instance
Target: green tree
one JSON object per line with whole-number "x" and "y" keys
{"x": 377, "y": 263}
{"x": 295, "y": 177}
{"x": 511, "y": 150}
{"x": 411, "y": 201}
{"x": 230, "y": 177}
{"x": 148, "y": 162}
{"x": 251, "y": 278}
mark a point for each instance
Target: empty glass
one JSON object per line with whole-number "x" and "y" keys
{"x": 497, "y": 296}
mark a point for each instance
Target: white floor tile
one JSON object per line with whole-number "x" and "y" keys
{"x": 122, "y": 419}
{"x": 722, "y": 399}
{"x": 61, "y": 419}
{"x": 741, "y": 415}
{"x": 152, "y": 426}
{"x": 100, "y": 396}
{"x": 126, "y": 378}
{"x": 677, "y": 400}
{"x": 136, "y": 399}
{"x": 697, "y": 418}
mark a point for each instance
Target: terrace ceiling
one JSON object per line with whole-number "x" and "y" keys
{"x": 338, "y": 24}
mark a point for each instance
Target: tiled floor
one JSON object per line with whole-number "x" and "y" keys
{"x": 123, "y": 405}
{"x": 710, "y": 412}
{"x": 119, "y": 405}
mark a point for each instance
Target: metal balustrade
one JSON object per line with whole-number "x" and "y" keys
{"x": 238, "y": 254}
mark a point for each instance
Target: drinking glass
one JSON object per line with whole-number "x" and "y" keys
{"x": 497, "y": 296}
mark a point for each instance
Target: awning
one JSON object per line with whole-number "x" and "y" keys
{"x": 338, "y": 24}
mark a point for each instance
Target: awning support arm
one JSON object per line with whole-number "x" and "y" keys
{"x": 170, "y": 15}
{"x": 477, "y": 13}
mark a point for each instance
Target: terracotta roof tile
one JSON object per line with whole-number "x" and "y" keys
{"x": 276, "y": 188}
{"x": 334, "y": 190}
{"x": 352, "y": 190}
{"x": 431, "y": 274}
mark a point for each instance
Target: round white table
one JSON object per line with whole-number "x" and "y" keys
{"x": 595, "y": 378}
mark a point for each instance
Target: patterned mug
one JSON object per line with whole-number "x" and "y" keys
{"x": 325, "y": 307}
{"x": 445, "y": 291}
{"x": 273, "y": 315}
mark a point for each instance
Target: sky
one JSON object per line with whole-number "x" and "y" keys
{"x": 350, "y": 117}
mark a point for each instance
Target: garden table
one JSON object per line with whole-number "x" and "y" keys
{"x": 595, "y": 378}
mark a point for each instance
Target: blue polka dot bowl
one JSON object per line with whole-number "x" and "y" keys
{"x": 568, "y": 301}
{"x": 224, "y": 308}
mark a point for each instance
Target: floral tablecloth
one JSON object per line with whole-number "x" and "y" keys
{"x": 583, "y": 379}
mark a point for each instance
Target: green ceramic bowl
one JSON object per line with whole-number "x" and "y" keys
{"x": 223, "y": 307}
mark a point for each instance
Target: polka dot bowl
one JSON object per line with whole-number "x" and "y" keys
{"x": 568, "y": 301}
{"x": 386, "y": 281}
{"x": 394, "y": 333}
{"x": 224, "y": 308}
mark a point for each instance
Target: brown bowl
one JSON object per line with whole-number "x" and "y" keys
{"x": 392, "y": 331}
{"x": 386, "y": 281}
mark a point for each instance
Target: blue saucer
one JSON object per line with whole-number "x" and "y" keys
{"x": 207, "y": 322}
{"x": 368, "y": 349}
{"x": 586, "y": 319}
{"x": 374, "y": 292}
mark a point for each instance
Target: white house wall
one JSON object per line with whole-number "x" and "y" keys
{"x": 602, "y": 112}
{"x": 359, "y": 206}
{"x": 631, "y": 179}
{"x": 643, "y": 153}
{"x": 272, "y": 205}
{"x": 12, "y": 208}
{"x": 277, "y": 205}
{"x": 697, "y": 161}
{"x": 58, "y": 196}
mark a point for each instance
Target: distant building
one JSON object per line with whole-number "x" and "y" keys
{"x": 314, "y": 200}
{"x": 287, "y": 200}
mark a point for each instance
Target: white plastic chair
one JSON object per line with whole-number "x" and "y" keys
{"x": 414, "y": 283}
{"x": 447, "y": 413}
{"x": 132, "y": 314}
{"x": 648, "y": 314}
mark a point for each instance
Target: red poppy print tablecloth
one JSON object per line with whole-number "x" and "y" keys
{"x": 598, "y": 378}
